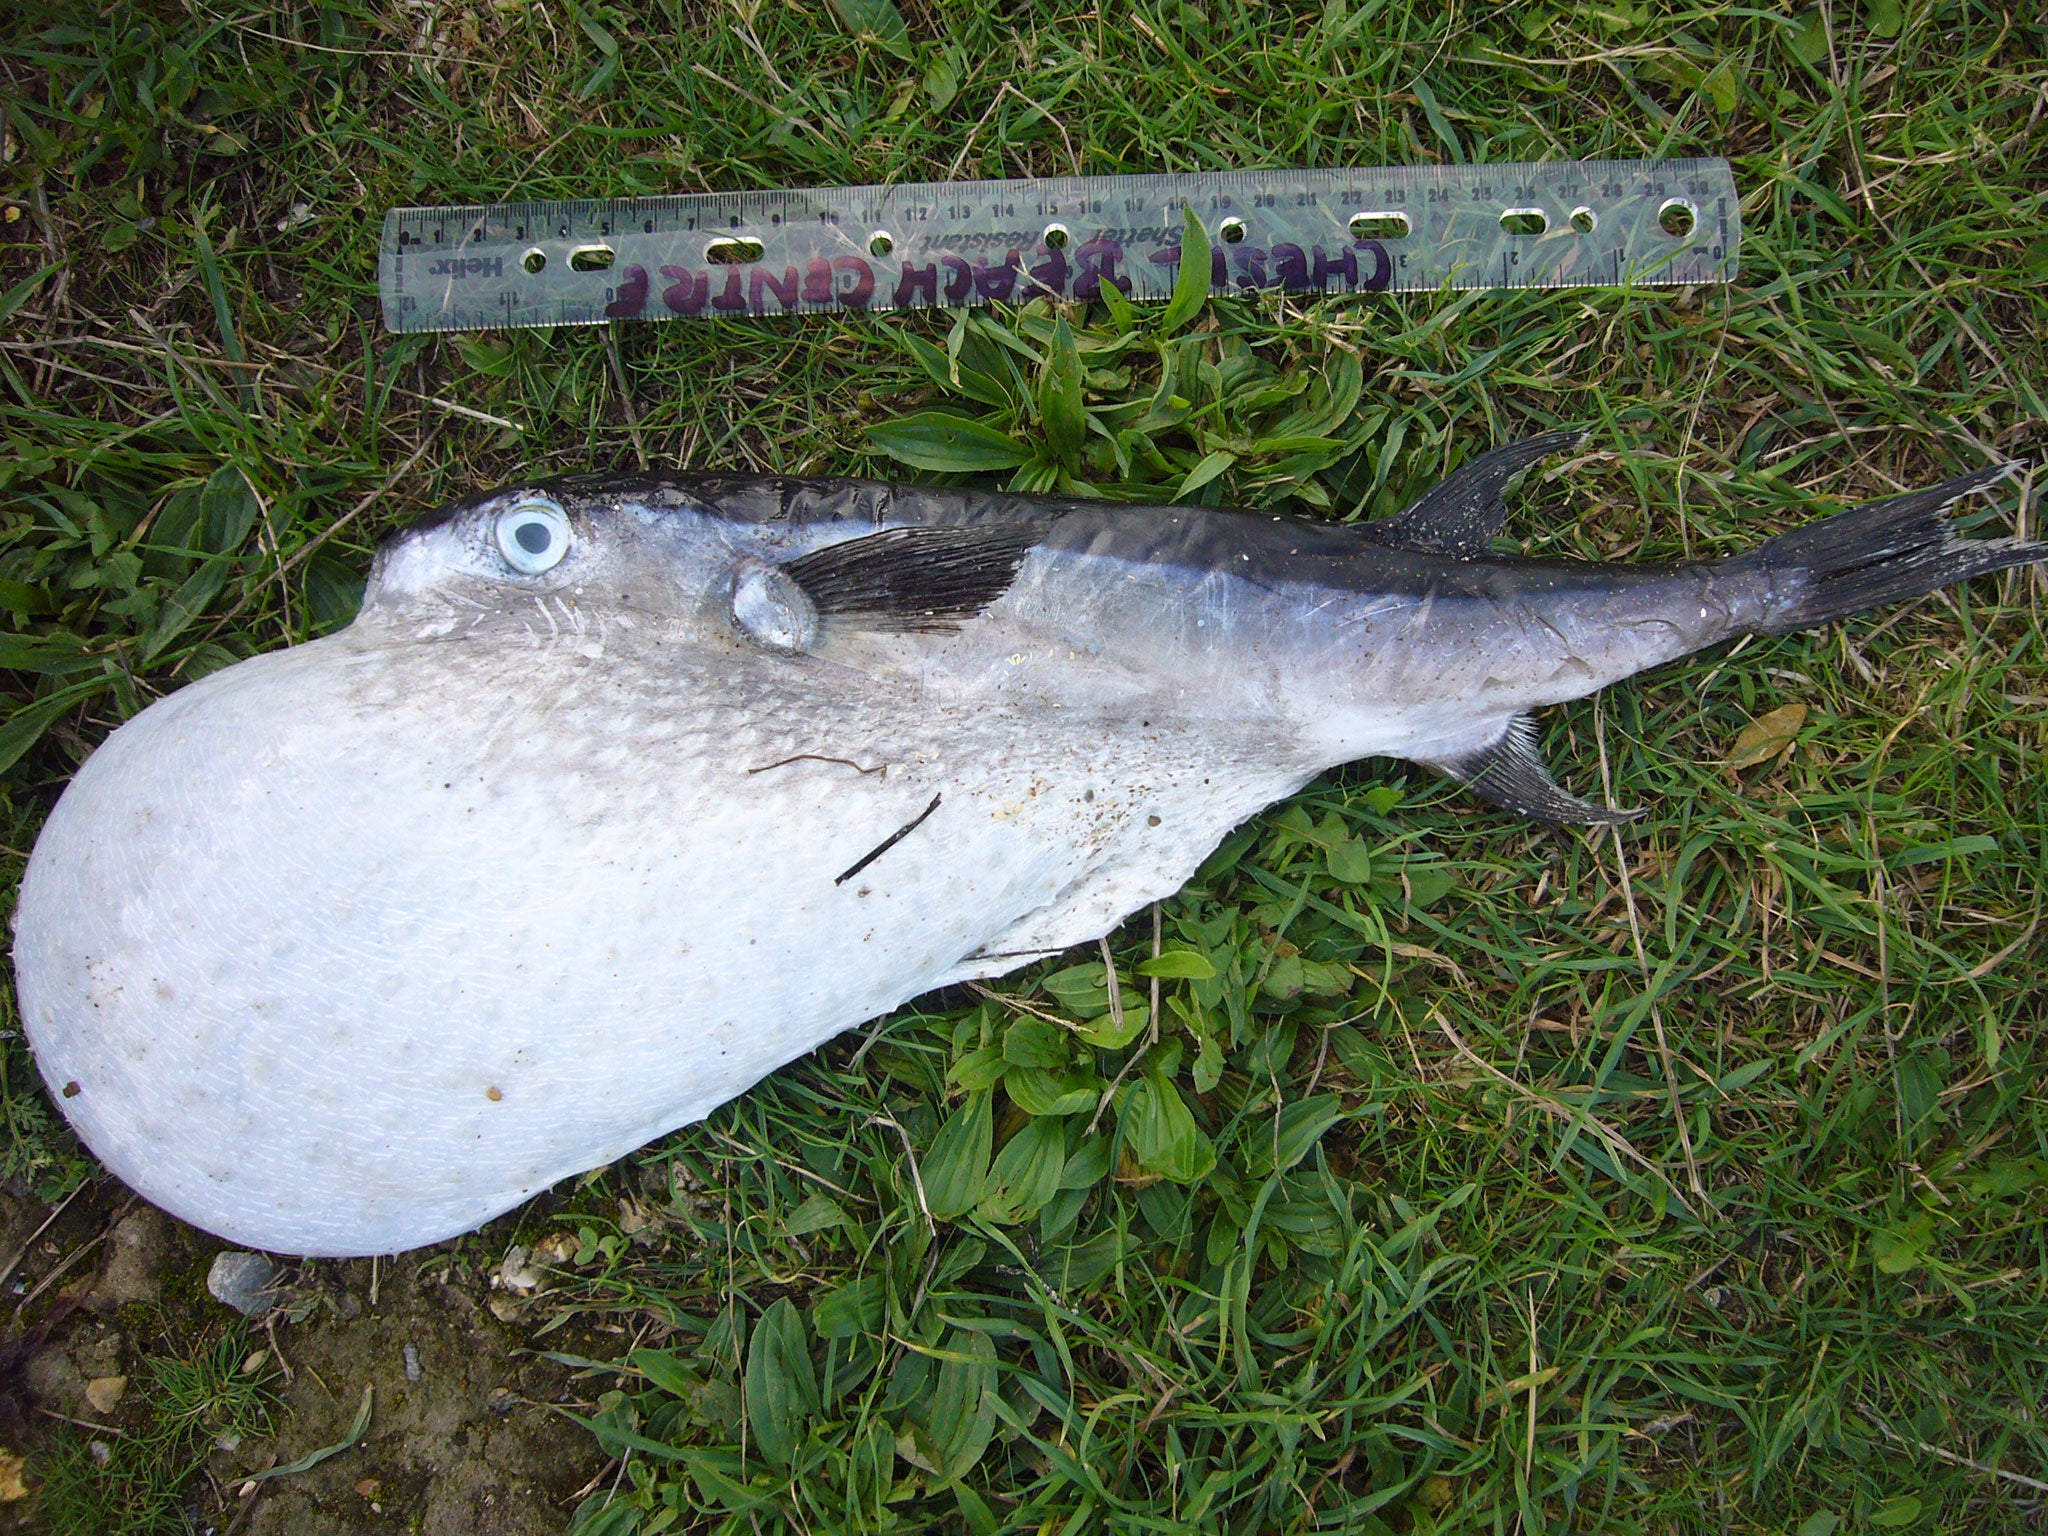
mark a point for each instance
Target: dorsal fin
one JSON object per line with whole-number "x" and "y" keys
{"x": 919, "y": 578}
{"x": 1460, "y": 516}
{"x": 1512, "y": 773}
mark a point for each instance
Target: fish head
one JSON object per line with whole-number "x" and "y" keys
{"x": 499, "y": 552}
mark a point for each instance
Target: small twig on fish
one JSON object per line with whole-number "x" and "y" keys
{"x": 1613, "y": 1139}
{"x": 890, "y": 841}
{"x": 910, "y": 1156}
{"x": 813, "y": 757}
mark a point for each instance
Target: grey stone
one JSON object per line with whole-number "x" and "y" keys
{"x": 241, "y": 1280}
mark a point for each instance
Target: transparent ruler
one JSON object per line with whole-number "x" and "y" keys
{"x": 1556, "y": 223}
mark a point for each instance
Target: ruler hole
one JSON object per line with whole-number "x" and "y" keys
{"x": 1056, "y": 237}
{"x": 1232, "y": 230}
{"x": 881, "y": 243}
{"x": 590, "y": 258}
{"x": 1524, "y": 221}
{"x": 534, "y": 260}
{"x": 1585, "y": 220}
{"x": 733, "y": 253}
{"x": 1676, "y": 217}
{"x": 1379, "y": 224}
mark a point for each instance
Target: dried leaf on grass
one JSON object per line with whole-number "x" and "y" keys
{"x": 1767, "y": 737}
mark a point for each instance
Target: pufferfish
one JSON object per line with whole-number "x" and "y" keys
{"x": 620, "y": 793}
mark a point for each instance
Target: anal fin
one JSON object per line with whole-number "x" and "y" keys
{"x": 1511, "y": 773}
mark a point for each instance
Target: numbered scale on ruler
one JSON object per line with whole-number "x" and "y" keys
{"x": 1600, "y": 223}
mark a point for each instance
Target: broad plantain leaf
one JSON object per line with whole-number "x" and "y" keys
{"x": 782, "y": 1388}
{"x": 939, "y": 440}
{"x": 956, "y": 1169}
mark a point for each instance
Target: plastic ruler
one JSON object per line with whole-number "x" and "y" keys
{"x": 714, "y": 255}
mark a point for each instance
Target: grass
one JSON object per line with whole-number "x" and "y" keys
{"x": 1494, "y": 1178}
{"x": 140, "y": 1486}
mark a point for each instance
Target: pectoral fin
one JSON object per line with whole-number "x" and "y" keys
{"x": 906, "y": 579}
{"x": 1461, "y": 516}
{"x": 1511, "y": 773}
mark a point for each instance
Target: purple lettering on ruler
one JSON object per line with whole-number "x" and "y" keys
{"x": 959, "y": 279}
{"x": 734, "y": 298}
{"x": 863, "y": 289}
{"x": 630, "y": 297}
{"x": 1345, "y": 266}
{"x": 686, "y": 294}
{"x": 784, "y": 288}
{"x": 1382, "y": 270}
{"x": 996, "y": 282}
{"x": 817, "y": 281}
{"x": 1051, "y": 278}
{"x": 911, "y": 281}
{"x": 1219, "y": 268}
{"x": 1290, "y": 268}
{"x": 1095, "y": 263}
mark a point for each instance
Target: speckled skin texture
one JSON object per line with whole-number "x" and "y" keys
{"x": 348, "y": 948}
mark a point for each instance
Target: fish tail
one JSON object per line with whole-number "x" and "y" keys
{"x": 1881, "y": 552}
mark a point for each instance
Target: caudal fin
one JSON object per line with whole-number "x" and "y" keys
{"x": 1880, "y": 552}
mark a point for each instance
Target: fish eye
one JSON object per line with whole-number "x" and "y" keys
{"x": 533, "y": 536}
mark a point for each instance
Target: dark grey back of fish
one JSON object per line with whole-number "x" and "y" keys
{"x": 1876, "y": 553}
{"x": 927, "y": 557}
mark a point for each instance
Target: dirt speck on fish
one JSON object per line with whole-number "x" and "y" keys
{"x": 350, "y": 947}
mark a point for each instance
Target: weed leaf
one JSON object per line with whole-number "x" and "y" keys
{"x": 956, "y": 1169}
{"x": 1191, "y": 285}
{"x": 782, "y": 1387}
{"x": 939, "y": 440}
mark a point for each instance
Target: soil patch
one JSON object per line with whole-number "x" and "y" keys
{"x": 468, "y": 1432}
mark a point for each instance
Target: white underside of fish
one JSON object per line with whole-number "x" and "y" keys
{"x": 332, "y": 987}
